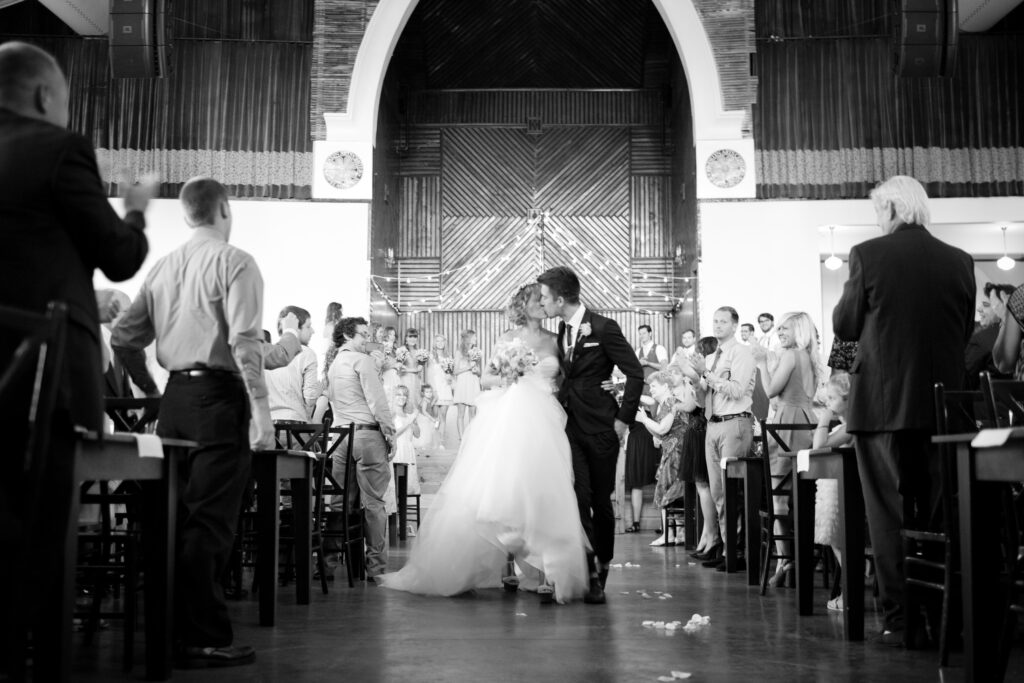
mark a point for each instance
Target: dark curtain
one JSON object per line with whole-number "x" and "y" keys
{"x": 832, "y": 120}
{"x": 236, "y": 109}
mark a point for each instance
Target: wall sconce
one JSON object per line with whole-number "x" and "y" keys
{"x": 1005, "y": 262}
{"x": 389, "y": 258}
{"x": 833, "y": 262}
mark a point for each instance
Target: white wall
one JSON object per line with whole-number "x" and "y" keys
{"x": 310, "y": 253}
{"x": 765, "y": 256}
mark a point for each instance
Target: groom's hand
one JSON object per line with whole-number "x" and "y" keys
{"x": 621, "y": 428}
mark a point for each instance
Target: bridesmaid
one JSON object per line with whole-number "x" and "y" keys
{"x": 467, "y": 379}
{"x": 410, "y": 368}
{"x": 439, "y": 374}
{"x": 389, "y": 370}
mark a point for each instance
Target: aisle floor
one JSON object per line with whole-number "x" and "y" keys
{"x": 369, "y": 634}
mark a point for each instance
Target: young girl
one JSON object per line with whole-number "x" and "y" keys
{"x": 426, "y": 418}
{"x": 389, "y": 369}
{"x": 406, "y": 429}
{"x": 826, "y": 499}
{"x": 439, "y": 374}
{"x": 467, "y": 380}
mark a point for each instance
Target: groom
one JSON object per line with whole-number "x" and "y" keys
{"x": 589, "y": 346}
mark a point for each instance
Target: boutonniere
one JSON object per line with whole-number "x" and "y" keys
{"x": 585, "y": 330}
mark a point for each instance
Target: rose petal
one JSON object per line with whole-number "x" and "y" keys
{"x": 681, "y": 674}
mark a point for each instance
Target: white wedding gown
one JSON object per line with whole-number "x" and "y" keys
{"x": 509, "y": 490}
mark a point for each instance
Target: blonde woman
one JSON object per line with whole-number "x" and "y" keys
{"x": 439, "y": 375}
{"x": 791, "y": 385}
{"x": 467, "y": 379}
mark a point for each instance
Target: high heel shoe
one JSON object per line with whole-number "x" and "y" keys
{"x": 784, "y": 571}
{"x": 699, "y": 551}
{"x": 712, "y": 553}
{"x": 633, "y": 528}
{"x": 660, "y": 541}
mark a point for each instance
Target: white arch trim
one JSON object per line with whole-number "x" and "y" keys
{"x": 359, "y": 123}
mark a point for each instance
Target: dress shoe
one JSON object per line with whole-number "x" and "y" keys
{"x": 714, "y": 564}
{"x": 595, "y": 596}
{"x": 697, "y": 553}
{"x": 207, "y": 657}
{"x": 546, "y": 593}
{"x": 712, "y": 553}
{"x": 782, "y": 575}
{"x": 890, "y": 638}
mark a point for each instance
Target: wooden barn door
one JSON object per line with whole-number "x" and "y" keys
{"x": 494, "y": 179}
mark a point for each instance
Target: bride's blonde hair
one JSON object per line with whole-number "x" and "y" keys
{"x": 516, "y": 309}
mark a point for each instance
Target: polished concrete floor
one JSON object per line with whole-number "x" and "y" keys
{"x": 371, "y": 634}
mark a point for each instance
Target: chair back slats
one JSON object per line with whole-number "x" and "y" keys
{"x": 118, "y": 410}
{"x": 1004, "y": 399}
{"x": 43, "y": 338}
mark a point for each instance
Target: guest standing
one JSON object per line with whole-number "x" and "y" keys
{"x": 213, "y": 349}
{"x": 467, "y": 379}
{"x": 57, "y": 228}
{"x": 792, "y": 384}
{"x": 642, "y": 456}
{"x": 292, "y": 390}
{"x": 411, "y": 360}
{"x": 909, "y": 303}
{"x": 439, "y": 374}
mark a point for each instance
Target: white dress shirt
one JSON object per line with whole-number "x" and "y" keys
{"x": 576, "y": 320}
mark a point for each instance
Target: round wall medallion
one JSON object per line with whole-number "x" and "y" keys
{"x": 343, "y": 169}
{"x": 725, "y": 168}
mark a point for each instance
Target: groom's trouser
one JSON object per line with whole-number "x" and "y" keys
{"x": 594, "y": 457}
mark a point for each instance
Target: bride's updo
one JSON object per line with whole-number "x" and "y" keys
{"x": 516, "y": 309}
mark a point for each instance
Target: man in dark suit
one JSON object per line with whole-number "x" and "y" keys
{"x": 57, "y": 227}
{"x": 909, "y": 303}
{"x": 589, "y": 346}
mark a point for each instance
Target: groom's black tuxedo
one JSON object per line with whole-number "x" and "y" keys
{"x": 591, "y": 415}
{"x": 591, "y": 363}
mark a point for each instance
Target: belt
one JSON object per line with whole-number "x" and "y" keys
{"x": 206, "y": 372}
{"x": 373, "y": 427}
{"x": 726, "y": 418}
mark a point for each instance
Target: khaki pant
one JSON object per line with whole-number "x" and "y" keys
{"x": 373, "y": 474}
{"x": 728, "y": 439}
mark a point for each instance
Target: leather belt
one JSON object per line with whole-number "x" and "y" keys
{"x": 373, "y": 427}
{"x": 726, "y": 418}
{"x": 206, "y": 372}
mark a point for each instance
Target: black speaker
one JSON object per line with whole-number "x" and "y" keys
{"x": 139, "y": 41}
{"x": 925, "y": 38}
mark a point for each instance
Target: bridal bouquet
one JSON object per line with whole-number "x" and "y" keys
{"x": 421, "y": 356}
{"x": 401, "y": 354}
{"x": 447, "y": 364}
{"x": 474, "y": 354}
{"x": 511, "y": 360}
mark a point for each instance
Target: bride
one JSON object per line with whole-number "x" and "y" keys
{"x": 509, "y": 492}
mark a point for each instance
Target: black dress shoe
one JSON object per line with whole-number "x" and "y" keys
{"x": 206, "y": 657}
{"x": 595, "y": 596}
{"x": 712, "y": 553}
{"x": 714, "y": 564}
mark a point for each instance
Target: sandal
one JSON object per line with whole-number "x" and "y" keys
{"x": 634, "y": 528}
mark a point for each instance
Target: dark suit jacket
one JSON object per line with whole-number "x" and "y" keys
{"x": 592, "y": 408}
{"x": 57, "y": 227}
{"x": 909, "y": 303}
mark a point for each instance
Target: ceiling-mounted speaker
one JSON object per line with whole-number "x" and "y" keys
{"x": 139, "y": 40}
{"x": 925, "y": 38}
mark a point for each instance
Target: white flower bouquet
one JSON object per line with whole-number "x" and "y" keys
{"x": 447, "y": 364}
{"x": 401, "y": 354}
{"x": 421, "y": 356}
{"x": 474, "y": 354}
{"x": 511, "y": 360}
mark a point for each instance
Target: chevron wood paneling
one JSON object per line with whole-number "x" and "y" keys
{"x": 419, "y": 218}
{"x": 487, "y": 172}
{"x": 552, "y": 107}
{"x": 650, "y": 210}
{"x": 596, "y": 247}
{"x": 533, "y": 43}
{"x": 583, "y": 171}
{"x": 487, "y": 285}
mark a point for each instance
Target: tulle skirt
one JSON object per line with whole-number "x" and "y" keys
{"x": 508, "y": 491}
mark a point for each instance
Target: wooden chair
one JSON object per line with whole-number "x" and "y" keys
{"x": 31, "y": 379}
{"x": 1004, "y": 400}
{"x": 931, "y": 558}
{"x": 769, "y": 518}
{"x": 344, "y": 525}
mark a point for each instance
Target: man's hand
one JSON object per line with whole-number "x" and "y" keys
{"x": 261, "y": 428}
{"x": 290, "y": 322}
{"x": 621, "y": 428}
{"x": 610, "y": 386}
{"x": 109, "y": 305}
{"x": 138, "y": 195}
{"x": 388, "y": 432}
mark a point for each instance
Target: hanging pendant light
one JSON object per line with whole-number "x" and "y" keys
{"x": 1005, "y": 262}
{"x": 833, "y": 262}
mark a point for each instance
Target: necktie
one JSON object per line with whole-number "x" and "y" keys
{"x": 709, "y": 399}
{"x": 568, "y": 340}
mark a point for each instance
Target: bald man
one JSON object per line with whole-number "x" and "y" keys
{"x": 56, "y": 229}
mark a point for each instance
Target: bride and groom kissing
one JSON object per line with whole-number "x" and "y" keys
{"x": 533, "y": 479}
